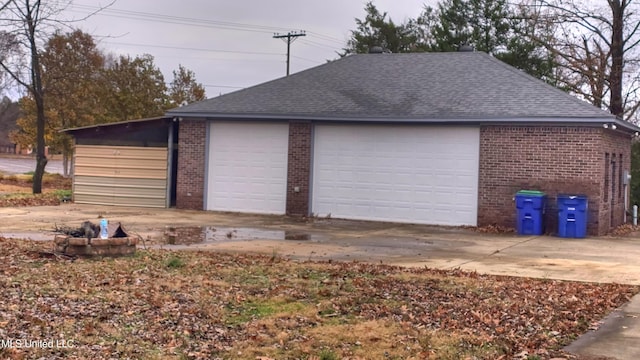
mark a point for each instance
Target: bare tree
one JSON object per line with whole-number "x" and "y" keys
{"x": 27, "y": 22}
{"x": 598, "y": 44}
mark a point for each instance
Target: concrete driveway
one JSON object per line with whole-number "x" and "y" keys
{"x": 603, "y": 259}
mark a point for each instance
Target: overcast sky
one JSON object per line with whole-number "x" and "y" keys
{"x": 229, "y": 44}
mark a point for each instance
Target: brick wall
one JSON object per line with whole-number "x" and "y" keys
{"x": 556, "y": 160}
{"x": 553, "y": 159}
{"x": 299, "y": 169}
{"x": 192, "y": 147}
{"x": 616, "y": 148}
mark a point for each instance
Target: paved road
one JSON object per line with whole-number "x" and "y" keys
{"x": 21, "y": 165}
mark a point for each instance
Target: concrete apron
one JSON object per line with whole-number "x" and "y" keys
{"x": 608, "y": 260}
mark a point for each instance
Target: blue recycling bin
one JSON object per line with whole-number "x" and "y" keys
{"x": 572, "y": 216}
{"x": 531, "y": 209}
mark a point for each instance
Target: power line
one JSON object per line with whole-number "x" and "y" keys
{"x": 322, "y": 40}
{"x": 290, "y": 37}
{"x": 309, "y": 60}
{"x": 180, "y": 20}
{"x": 327, "y": 38}
{"x": 317, "y": 44}
{"x": 170, "y": 19}
{"x": 193, "y": 49}
{"x": 199, "y": 22}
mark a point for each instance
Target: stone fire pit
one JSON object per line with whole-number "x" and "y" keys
{"x": 118, "y": 243}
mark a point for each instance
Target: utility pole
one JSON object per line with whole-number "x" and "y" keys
{"x": 289, "y": 38}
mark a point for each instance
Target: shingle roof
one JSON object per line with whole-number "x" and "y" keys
{"x": 417, "y": 86}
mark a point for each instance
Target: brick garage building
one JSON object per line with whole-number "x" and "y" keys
{"x": 434, "y": 138}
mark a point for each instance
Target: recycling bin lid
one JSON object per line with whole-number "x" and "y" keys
{"x": 572, "y": 196}
{"x": 530, "y": 193}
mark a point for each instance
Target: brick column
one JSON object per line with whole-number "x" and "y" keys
{"x": 299, "y": 168}
{"x": 192, "y": 137}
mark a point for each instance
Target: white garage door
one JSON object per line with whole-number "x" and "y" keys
{"x": 247, "y": 167}
{"x": 418, "y": 174}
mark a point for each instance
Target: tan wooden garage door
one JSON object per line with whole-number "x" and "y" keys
{"x": 120, "y": 175}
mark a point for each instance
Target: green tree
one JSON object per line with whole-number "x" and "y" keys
{"x": 135, "y": 89}
{"x": 184, "y": 89}
{"x": 378, "y": 30}
{"x": 525, "y": 46}
{"x": 493, "y": 26}
{"x": 453, "y": 28}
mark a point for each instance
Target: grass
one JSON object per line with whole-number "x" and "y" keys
{"x": 159, "y": 304}
{"x": 327, "y": 354}
{"x": 64, "y": 193}
{"x": 260, "y": 309}
{"x": 175, "y": 262}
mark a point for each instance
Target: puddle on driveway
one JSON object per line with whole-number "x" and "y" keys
{"x": 190, "y": 235}
{"x": 293, "y": 235}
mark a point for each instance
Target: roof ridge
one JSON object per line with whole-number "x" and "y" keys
{"x": 426, "y": 85}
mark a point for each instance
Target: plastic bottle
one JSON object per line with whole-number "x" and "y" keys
{"x": 104, "y": 229}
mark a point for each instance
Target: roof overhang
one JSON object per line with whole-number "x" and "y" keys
{"x": 116, "y": 124}
{"x": 610, "y": 122}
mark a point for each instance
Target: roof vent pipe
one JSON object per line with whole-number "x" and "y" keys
{"x": 465, "y": 48}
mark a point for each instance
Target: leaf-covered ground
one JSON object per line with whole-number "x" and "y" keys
{"x": 16, "y": 190}
{"x": 176, "y": 305}
{"x": 49, "y": 181}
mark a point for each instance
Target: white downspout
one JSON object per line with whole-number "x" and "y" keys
{"x": 626, "y": 202}
{"x": 626, "y": 180}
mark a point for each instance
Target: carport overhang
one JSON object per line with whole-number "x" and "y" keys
{"x": 109, "y": 128}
